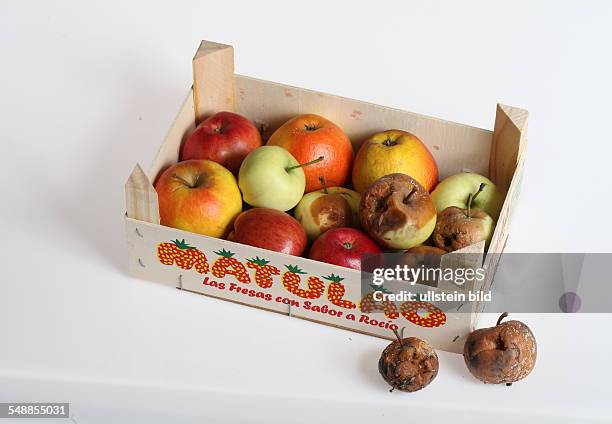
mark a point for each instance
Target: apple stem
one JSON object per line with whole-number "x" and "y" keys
{"x": 399, "y": 339}
{"x": 301, "y": 165}
{"x": 473, "y": 196}
{"x": 323, "y": 184}
{"x": 502, "y": 316}
{"x": 184, "y": 181}
{"x": 388, "y": 142}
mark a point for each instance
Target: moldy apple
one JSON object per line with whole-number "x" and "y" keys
{"x": 408, "y": 364}
{"x": 502, "y": 354}
{"x": 331, "y": 207}
{"x": 458, "y": 228}
{"x": 397, "y": 212}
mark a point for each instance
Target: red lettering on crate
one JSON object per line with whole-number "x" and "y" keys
{"x": 376, "y": 323}
{"x": 213, "y": 283}
{"x": 309, "y": 306}
{"x": 287, "y": 301}
{"x": 250, "y": 292}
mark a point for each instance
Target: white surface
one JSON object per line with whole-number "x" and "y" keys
{"x": 89, "y": 89}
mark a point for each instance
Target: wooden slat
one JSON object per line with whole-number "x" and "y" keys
{"x": 456, "y": 147}
{"x": 144, "y": 240}
{"x": 214, "y": 84}
{"x": 509, "y": 142}
{"x": 141, "y": 197}
{"x": 506, "y": 169}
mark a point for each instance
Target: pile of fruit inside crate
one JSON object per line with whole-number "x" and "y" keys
{"x": 306, "y": 193}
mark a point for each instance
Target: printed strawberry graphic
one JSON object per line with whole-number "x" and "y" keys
{"x": 226, "y": 264}
{"x": 185, "y": 256}
{"x": 423, "y": 314}
{"x": 263, "y": 271}
{"x": 369, "y": 305}
{"x": 336, "y": 290}
{"x": 291, "y": 280}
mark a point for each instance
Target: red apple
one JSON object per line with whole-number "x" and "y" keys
{"x": 269, "y": 229}
{"x": 199, "y": 196}
{"x": 343, "y": 246}
{"x": 225, "y": 138}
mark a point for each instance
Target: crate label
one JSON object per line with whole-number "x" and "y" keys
{"x": 287, "y": 284}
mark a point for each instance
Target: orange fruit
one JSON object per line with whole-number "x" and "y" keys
{"x": 308, "y": 137}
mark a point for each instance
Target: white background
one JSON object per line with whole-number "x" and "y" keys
{"x": 88, "y": 89}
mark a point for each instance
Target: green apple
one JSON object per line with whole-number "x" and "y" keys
{"x": 455, "y": 190}
{"x": 457, "y": 228}
{"x": 270, "y": 177}
{"x": 330, "y": 207}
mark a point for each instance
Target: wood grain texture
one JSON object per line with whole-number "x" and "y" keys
{"x": 214, "y": 86}
{"x": 506, "y": 171}
{"x": 141, "y": 197}
{"x": 507, "y": 158}
{"x": 456, "y": 147}
{"x": 509, "y": 141}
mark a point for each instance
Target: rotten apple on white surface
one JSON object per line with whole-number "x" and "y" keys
{"x": 505, "y": 353}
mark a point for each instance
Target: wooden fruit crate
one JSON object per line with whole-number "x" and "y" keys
{"x": 270, "y": 284}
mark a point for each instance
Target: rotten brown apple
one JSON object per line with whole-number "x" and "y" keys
{"x": 328, "y": 208}
{"x": 397, "y": 212}
{"x": 458, "y": 228}
{"x": 408, "y": 364}
{"x": 502, "y": 354}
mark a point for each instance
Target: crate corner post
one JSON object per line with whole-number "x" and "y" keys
{"x": 214, "y": 84}
{"x": 509, "y": 143}
{"x": 141, "y": 197}
{"x": 506, "y": 166}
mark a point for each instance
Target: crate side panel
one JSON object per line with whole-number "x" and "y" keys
{"x": 509, "y": 144}
{"x": 506, "y": 167}
{"x": 226, "y": 270}
{"x": 456, "y": 147}
{"x": 500, "y": 236}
